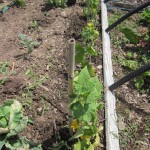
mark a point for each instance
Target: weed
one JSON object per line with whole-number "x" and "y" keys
{"x": 45, "y": 108}
{"x": 134, "y": 130}
{"x": 28, "y": 43}
{"x": 19, "y": 2}
{"x": 28, "y": 90}
{"x": 57, "y": 3}
{"x": 139, "y": 57}
{"x": 91, "y": 9}
{"x": 145, "y": 16}
{"x": 5, "y": 72}
{"x": 33, "y": 25}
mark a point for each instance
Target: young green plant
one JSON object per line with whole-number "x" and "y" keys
{"x": 13, "y": 122}
{"x": 28, "y": 43}
{"x": 5, "y": 72}
{"x": 84, "y": 106}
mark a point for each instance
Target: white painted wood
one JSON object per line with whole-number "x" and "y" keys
{"x": 112, "y": 138}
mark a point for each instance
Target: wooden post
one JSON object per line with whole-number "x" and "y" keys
{"x": 112, "y": 139}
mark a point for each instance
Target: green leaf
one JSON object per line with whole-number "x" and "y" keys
{"x": 78, "y": 134}
{"x": 4, "y": 10}
{"x": 131, "y": 35}
{"x": 35, "y": 43}
{"x": 91, "y": 70}
{"x": 87, "y": 91}
{"x": 147, "y": 73}
{"x": 22, "y": 143}
{"x": 80, "y": 53}
{"x": 11, "y": 117}
{"x": 77, "y": 146}
{"x": 91, "y": 51}
{"x": 2, "y": 140}
{"x": 17, "y": 122}
{"x": 131, "y": 64}
{"x": 22, "y": 36}
{"x": 139, "y": 82}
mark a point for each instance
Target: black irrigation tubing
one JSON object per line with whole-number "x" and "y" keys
{"x": 105, "y": 1}
{"x": 130, "y": 13}
{"x": 130, "y": 76}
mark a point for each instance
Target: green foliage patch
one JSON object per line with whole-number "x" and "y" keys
{"x": 12, "y": 122}
{"x": 57, "y": 3}
{"x": 84, "y": 107}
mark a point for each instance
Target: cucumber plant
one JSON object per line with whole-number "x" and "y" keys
{"x": 89, "y": 34}
{"x": 84, "y": 106}
{"x": 57, "y": 3}
{"x": 86, "y": 49}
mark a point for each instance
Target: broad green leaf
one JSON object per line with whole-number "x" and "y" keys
{"x": 79, "y": 48}
{"x": 131, "y": 35}
{"x": 11, "y": 117}
{"x": 77, "y": 146}
{"x": 80, "y": 53}
{"x": 22, "y": 143}
{"x": 97, "y": 84}
{"x": 83, "y": 81}
{"x": 2, "y": 142}
{"x": 88, "y": 90}
{"x": 91, "y": 51}
{"x": 84, "y": 113}
{"x": 80, "y": 57}
{"x": 97, "y": 140}
{"x": 91, "y": 147}
{"x": 17, "y": 122}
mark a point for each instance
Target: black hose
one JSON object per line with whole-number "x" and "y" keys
{"x": 130, "y": 76}
{"x": 105, "y": 1}
{"x": 130, "y": 13}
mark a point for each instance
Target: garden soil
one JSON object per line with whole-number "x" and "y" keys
{"x": 55, "y": 27}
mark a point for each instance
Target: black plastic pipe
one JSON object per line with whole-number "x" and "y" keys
{"x": 130, "y": 76}
{"x": 130, "y": 13}
{"x": 105, "y": 1}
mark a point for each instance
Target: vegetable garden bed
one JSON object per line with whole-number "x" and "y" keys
{"x": 34, "y": 51}
{"x": 34, "y": 46}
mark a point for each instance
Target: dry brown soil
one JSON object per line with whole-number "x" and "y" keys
{"x": 55, "y": 27}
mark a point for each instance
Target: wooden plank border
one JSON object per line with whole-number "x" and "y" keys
{"x": 112, "y": 137}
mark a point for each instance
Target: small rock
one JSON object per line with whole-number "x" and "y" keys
{"x": 121, "y": 123}
{"x": 39, "y": 111}
{"x": 63, "y": 14}
{"x": 99, "y": 67}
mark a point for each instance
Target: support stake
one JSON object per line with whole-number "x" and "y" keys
{"x": 71, "y": 62}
